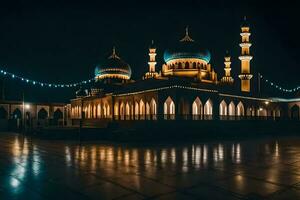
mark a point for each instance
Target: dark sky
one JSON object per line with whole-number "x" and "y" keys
{"x": 61, "y": 42}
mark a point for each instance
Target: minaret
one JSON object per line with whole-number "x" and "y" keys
{"x": 152, "y": 62}
{"x": 227, "y": 77}
{"x": 245, "y": 58}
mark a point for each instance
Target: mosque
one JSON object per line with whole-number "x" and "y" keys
{"x": 185, "y": 87}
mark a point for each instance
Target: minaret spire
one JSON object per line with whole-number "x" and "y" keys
{"x": 187, "y": 31}
{"x": 114, "y": 54}
{"x": 245, "y": 58}
{"x": 227, "y": 79}
{"x": 152, "y": 62}
{"x": 187, "y": 38}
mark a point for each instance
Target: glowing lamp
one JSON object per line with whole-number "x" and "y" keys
{"x": 27, "y": 106}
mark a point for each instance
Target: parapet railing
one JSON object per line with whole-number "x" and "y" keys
{"x": 193, "y": 117}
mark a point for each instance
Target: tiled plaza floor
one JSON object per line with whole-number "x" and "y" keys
{"x": 247, "y": 169}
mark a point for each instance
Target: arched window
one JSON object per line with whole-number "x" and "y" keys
{"x": 179, "y": 65}
{"x": 169, "y": 109}
{"x": 89, "y": 111}
{"x": 147, "y": 110}
{"x": 262, "y": 112}
{"x": 57, "y": 115}
{"x": 231, "y": 109}
{"x": 197, "y": 109}
{"x": 240, "y": 111}
{"x": 223, "y": 109}
{"x": 42, "y": 114}
{"x": 208, "y": 109}
{"x": 122, "y": 111}
{"x": 142, "y": 109}
{"x": 116, "y": 110}
{"x": 94, "y": 111}
{"x": 136, "y": 110}
{"x": 98, "y": 110}
{"x": 187, "y": 66}
{"x": 153, "y": 108}
{"x": 194, "y": 65}
{"x": 107, "y": 110}
{"x": 127, "y": 109}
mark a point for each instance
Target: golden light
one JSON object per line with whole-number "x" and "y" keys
{"x": 27, "y": 106}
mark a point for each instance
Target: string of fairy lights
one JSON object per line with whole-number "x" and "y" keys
{"x": 277, "y": 86}
{"x": 80, "y": 83}
{"x": 43, "y": 84}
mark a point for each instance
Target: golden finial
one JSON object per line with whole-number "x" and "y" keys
{"x": 114, "y": 55}
{"x": 187, "y": 38}
{"x": 187, "y": 30}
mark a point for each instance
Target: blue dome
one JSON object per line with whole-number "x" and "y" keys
{"x": 187, "y": 48}
{"x": 113, "y": 66}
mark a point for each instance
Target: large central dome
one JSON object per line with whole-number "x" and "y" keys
{"x": 187, "y": 48}
{"x": 113, "y": 68}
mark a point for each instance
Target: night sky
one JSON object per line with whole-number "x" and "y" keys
{"x": 62, "y": 42}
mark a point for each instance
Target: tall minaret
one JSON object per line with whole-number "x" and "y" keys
{"x": 152, "y": 62}
{"x": 245, "y": 58}
{"x": 227, "y": 77}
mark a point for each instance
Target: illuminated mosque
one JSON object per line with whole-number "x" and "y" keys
{"x": 187, "y": 87}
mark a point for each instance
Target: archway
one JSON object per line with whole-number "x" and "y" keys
{"x": 277, "y": 113}
{"x": 127, "y": 111}
{"x": 107, "y": 110}
{"x": 147, "y": 110}
{"x": 57, "y": 115}
{"x": 231, "y": 110}
{"x": 222, "y": 109}
{"x": 208, "y": 109}
{"x": 186, "y": 65}
{"x": 98, "y": 110}
{"x": 3, "y": 113}
{"x": 122, "y": 111}
{"x": 17, "y": 114}
{"x": 153, "y": 108}
{"x": 116, "y": 110}
{"x": 179, "y": 65}
{"x": 240, "y": 110}
{"x": 262, "y": 112}
{"x": 136, "y": 110}
{"x": 94, "y": 111}
{"x": 89, "y": 111}
{"x": 169, "y": 109}
{"x": 197, "y": 109}
{"x": 295, "y": 112}
{"x": 250, "y": 112}
{"x": 142, "y": 109}
{"x": 42, "y": 114}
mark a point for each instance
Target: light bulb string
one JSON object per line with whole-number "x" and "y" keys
{"x": 44, "y": 84}
{"x": 277, "y": 86}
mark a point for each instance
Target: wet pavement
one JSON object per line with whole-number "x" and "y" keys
{"x": 247, "y": 169}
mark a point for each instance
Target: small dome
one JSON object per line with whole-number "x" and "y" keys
{"x": 113, "y": 67}
{"x": 187, "y": 48}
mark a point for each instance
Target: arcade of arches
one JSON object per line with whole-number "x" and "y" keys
{"x": 149, "y": 108}
{"x": 35, "y": 111}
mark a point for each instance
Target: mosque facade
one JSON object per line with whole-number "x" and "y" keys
{"x": 185, "y": 87}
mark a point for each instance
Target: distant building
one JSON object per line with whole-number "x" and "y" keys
{"x": 34, "y": 114}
